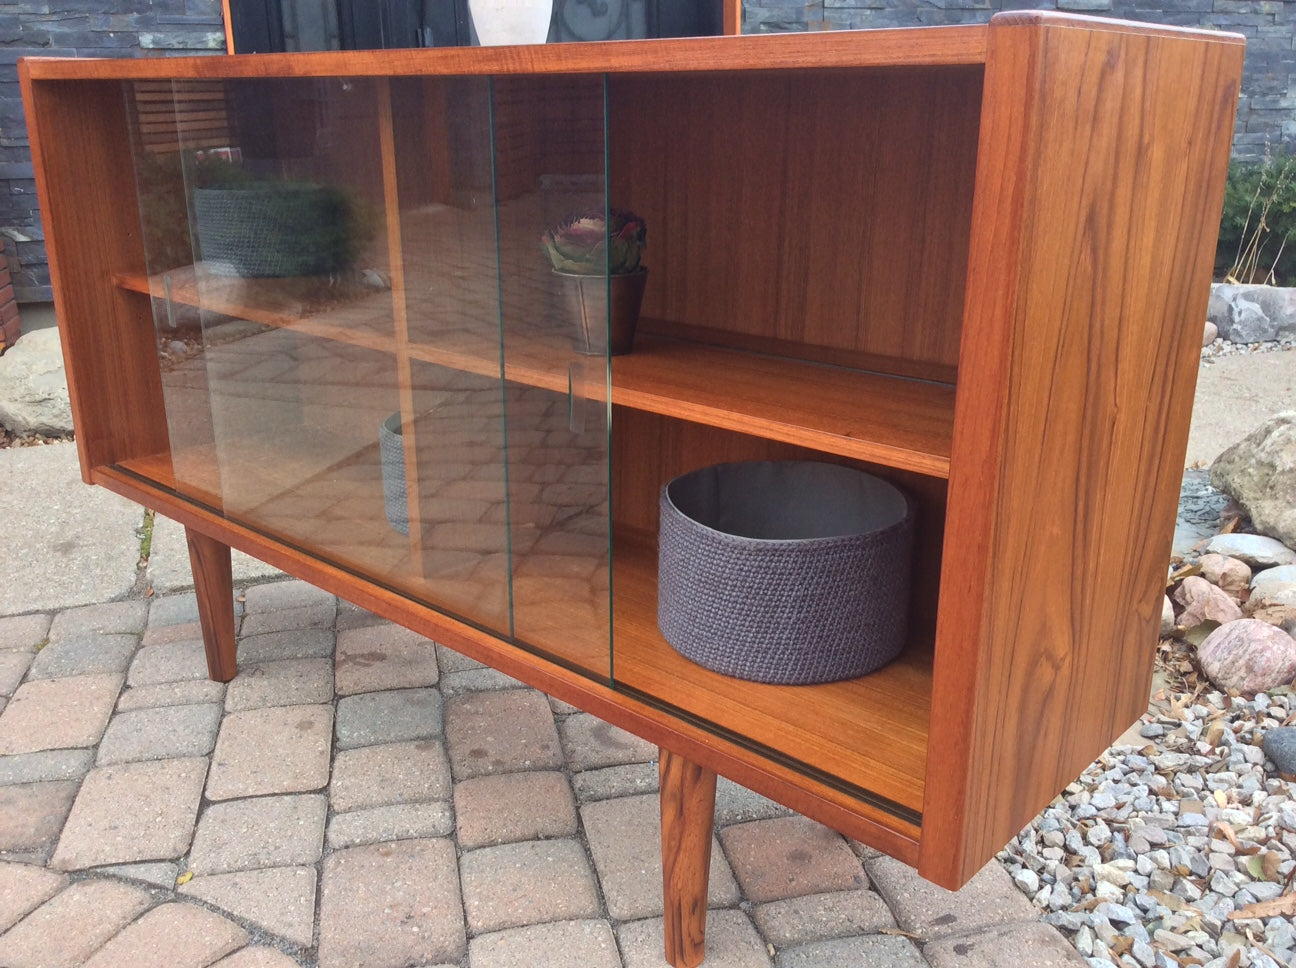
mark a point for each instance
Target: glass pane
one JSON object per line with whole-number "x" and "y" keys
{"x": 549, "y": 167}
{"x": 296, "y": 404}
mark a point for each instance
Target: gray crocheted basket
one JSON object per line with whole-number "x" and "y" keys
{"x": 788, "y": 572}
{"x": 281, "y": 229}
{"x": 392, "y": 450}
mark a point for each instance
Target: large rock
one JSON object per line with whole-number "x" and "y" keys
{"x": 33, "y": 386}
{"x": 1253, "y": 314}
{"x": 1282, "y": 576}
{"x": 1248, "y": 656}
{"x": 1203, "y": 602}
{"x": 1259, "y": 471}
{"x": 1257, "y": 550}
{"x": 1230, "y": 574}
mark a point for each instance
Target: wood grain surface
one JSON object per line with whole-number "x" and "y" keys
{"x": 687, "y": 826}
{"x": 214, "y": 585}
{"x": 860, "y": 48}
{"x": 92, "y": 230}
{"x": 1100, "y": 180}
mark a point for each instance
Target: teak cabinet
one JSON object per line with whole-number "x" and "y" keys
{"x": 973, "y": 260}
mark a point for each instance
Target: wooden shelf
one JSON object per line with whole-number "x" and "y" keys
{"x": 886, "y": 420}
{"x": 870, "y": 732}
{"x": 283, "y": 303}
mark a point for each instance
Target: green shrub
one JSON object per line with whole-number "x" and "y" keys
{"x": 1257, "y": 239}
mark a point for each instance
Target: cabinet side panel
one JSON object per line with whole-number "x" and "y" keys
{"x": 81, "y": 153}
{"x": 1089, "y": 278}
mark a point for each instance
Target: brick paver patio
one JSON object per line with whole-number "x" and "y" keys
{"x": 358, "y": 796}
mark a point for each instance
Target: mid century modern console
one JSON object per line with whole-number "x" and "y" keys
{"x": 971, "y": 260}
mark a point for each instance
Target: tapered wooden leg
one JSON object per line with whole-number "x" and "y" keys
{"x": 687, "y": 818}
{"x": 214, "y": 586}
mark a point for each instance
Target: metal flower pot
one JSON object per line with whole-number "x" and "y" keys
{"x": 604, "y": 309}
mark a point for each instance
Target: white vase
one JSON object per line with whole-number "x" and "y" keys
{"x": 511, "y": 21}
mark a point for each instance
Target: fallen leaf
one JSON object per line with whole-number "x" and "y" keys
{"x": 1229, "y": 833}
{"x": 1278, "y": 907}
{"x": 1270, "y": 862}
{"x": 184, "y": 878}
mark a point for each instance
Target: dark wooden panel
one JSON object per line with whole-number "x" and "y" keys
{"x": 829, "y": 209}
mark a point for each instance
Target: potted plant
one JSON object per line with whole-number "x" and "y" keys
{"x": 597, "y": 257}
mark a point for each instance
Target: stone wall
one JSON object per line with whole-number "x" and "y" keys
{"x": 1266, "y": 114}
{"x": 75, "y": 28}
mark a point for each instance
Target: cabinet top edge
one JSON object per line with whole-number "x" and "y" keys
{"x": 892, "y": 47}
{"x": 1055, "y": 18}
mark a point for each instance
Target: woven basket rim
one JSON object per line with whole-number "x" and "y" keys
{"x": 774, "y": 544}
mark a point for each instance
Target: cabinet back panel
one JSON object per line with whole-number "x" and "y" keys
{"x": 831, "y": 209}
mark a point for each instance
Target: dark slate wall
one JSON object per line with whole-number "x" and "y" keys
{"x": 1266, "y": 114}
{"x": 75, "y": 28}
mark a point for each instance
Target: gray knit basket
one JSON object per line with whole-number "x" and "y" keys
{"x": 391, "y": 449}
{"x": 789, "y": 572}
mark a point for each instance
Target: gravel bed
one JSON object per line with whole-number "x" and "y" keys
{"x": 1177, "y": 852}
{"x": 1221, "y": 347}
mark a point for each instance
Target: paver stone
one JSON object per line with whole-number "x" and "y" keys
{"x": 278, "y": 749}
{"x": 512, "y": 807}
{"x": 625, "y": 838}
{"x": 32, "y": 815}
{"x": 788, "y": 857}
{"x": 923, "y": 909}
{"x": 258, "y": 957}
{"x": 279, "y": 899}
{"x": 102, "y": 618}
{"x": 731, "y": 942}
{"x": 501, "y": 732}
{"x": 177, "y": 935}
{"x": 84, "y": 656}
{"x": 390, "y": 773}
{"x": 13, "y": 666}
{"x": 386, "y": 656}
{"x": 1004, "y": 947}
{"x": 388, "y": 717}
{"x": 274, "y": 596}
{"x": 561, "y": 944}
{"x": 237, "y": 835}
{"x": 874, "y": 950}
{"x": 170, "y": 662}
{"x": 310, "y": 643}
{"x": 22, "y": 633}
{"x": 23, "y": 888}
{"x": 391, "y": 905}
{"x": 590, "y": 743}
{"x": 195, "y": 692}
{"x": 45, "y": 765}
{"x": 98, "y": 908}
{"x": 527, "y": 883}
{"x": 811, "y": 917}
{"x": 160, "y": 733}
{"x": 398, "y": 821}
{"x": 132, "y": 812}
{"x": 289, "y": 682}
{"x": 53, "y": 714}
